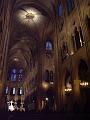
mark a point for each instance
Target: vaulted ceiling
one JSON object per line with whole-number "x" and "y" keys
{"x": 31, "y": 20}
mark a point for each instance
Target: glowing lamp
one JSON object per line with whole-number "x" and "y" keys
{"x": 45, "y": 85}
{"x": 30, "y": 16}
{"x": 46, "y": 99}
{"x": 84, "y": 84}
{"x": 68, "y": 90}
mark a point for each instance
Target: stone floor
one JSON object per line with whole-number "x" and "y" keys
{"x": 43, "y": 116}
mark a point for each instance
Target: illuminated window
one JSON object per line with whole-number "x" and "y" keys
{"x": 49, "y": 46}
{"x": 13, "y": 75}
{"x": 14, "y": 91}
{"x": 20, "y": 74}
{"x": 16, "y": 74}
{"x": 7, "y": 90}
{"x": 78, "y": 38}
{"x": 81, "y": 36}
{"x": 20, "y": 91}
{"x": 60, "y": 10}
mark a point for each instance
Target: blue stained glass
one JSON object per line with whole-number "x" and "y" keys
{"x": 14, "y": 70}
{"x": 16, "y": 74}
{"x": 60, "y": 9}
{"x": 48, "y": 45}
{"x": 13, "y": 77}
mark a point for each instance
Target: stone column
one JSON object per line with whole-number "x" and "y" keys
{"x": 57, "y": 68}
{"x": 5, "y": 38}
{"x": 39, "y": 77}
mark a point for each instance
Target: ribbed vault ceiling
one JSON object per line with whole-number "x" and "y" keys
{"x": 27, "y": 34}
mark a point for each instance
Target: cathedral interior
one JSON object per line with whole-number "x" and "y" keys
{"x": 45, "y": 55}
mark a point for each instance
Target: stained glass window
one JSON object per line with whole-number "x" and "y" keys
{"x": 21, "y": 91}
{"x": 16, "y": 74}
{"x": 48, "y": 45}
{"x": 14, "y": 91}
{"x": 7, "y": 90}
{"x": 20, "y": 74}
{"x": 60, "y": 9}
{"x": 13, "y": 75}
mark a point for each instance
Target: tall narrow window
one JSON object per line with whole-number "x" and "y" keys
{"x": 48, "y": 46}
{"x": 77, "y": 38}
{"x": 81, "y": 36}
{"x": 21, "y": 91}
{"x": 14, "y": 91}
{"x": 13, "y": 74}
{"x": 7, "y": 90}
{"x": 20, "y": 74}
{"x": 70, "y": 5}
{"x": 60, "y": 9}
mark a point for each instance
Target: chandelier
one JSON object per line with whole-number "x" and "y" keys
{"x": 29, "y": 16}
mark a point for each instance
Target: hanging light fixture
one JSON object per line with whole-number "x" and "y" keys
{"x": 29, "y": 16}
{"x": 84, "y": 84}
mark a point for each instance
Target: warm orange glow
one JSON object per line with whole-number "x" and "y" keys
{"x": 72, "y": 53}
{"x": 68, "y": 90}
{"x": 84, "y": 83}
{"x": 45, "y": 85}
